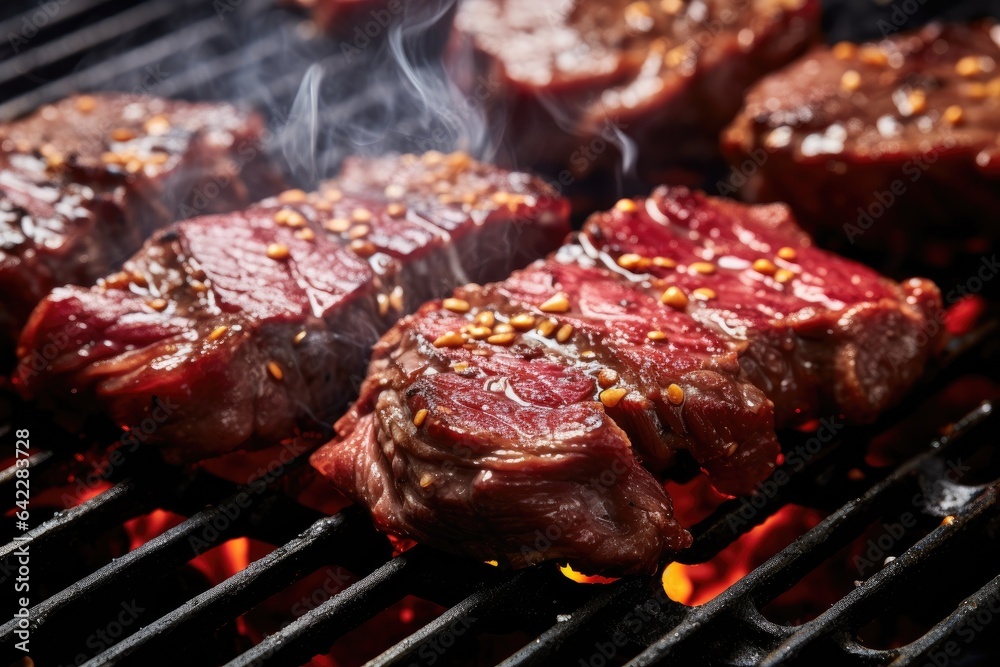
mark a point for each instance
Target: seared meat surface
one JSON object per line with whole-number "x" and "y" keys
{"x": 888, "y": 142}
{"x": 544, "y": 404}
{"x": 241, "y": 326}
{"x": 85, "y": 181}
{"x": 573, "y": 76}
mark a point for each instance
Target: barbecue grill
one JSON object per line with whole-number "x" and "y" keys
{"x": 250, "y": 51}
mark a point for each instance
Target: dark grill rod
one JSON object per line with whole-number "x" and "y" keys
{"x": 796, "y": 559}
{"x": 66, "y": 11}
{"x": 327, "y": 537}
{"x": 35, "y": 461}
{"x": 868, "y": 594}
{"x": 461, "y": 621}
{"x": 918, "y": 650}
{"x": 81, "y": 40}
{"x": 170, "y": 548}
{"x": 596, "y": 615}
{"x": 317, "y": 629}
{"x": 112, "y": 507}
{"x": 108, "y": 70}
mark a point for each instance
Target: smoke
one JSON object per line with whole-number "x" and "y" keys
{"x": 385, "y": 89}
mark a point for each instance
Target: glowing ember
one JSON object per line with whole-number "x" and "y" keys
{"x": 581, "y": 578}
{"x": 697, "y": 584}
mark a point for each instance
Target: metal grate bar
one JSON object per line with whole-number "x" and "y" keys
{"x": 120, "y": 502}
{"x": 598, "y": 614}
{"x": 803, "y": 554}
{"x": 108, "y": 70}
{"x": 170, "y": 548}
{"x": 846, "y": 610}
{"x": 917, "y": 652}
{"x": 77, "y": 42}
{"x": 317, "y": 629}
{"x": 325, "y": 539}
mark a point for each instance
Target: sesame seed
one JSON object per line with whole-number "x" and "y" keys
{"x": 626, "y": 206}
{"x": 556, "y": 304}
{"x": 358, "y": 231}
{"x": 275, "y": 370}
{"x": 277, "y": 251}
{"x": 362, "y": 248}
{"x": 503, "y": 327}
{"x": 158, "y": 305}
{"x": 361, "y": 215}
{"x": 968, "y": 66}
{"x": 299, "y": 337}
{"x": 295, "y": 219}
{"x": 703, "y": 293}
{"x": 486, "y": 318}
{"x": 948, "y": 520}
{"x": 426, "y": 480}
{"x": 85, "y": 103}
{"x": 456, "y": 305}
{"x": 395, "y": 191}
{"x": 294, "y": 196}
{"x": 976, "y": 90}
{"x": 872, "y": 55}
{"x": 522, "y": 321}
{"x": 783, "y": 275}
{"x": 333, "y": 195}
{"x": 305, "y": 234}
{"x": 396, "y": 298}
{"x": 458, "y": 160}
{"x": 547, "y": 327}
{"x": 588, "y": 354}
{"x": 134, "y": 166}
{"x": 607, "y": 377}
{"x": 502, "y": 338}
{"x": 460, "y": 366}
{"x": 396, "y": 210}
{"x": 954, "y": 114}
{"x": 612, "y": 397}
{"x": 664, "y": 262}
{"x": 850, "y": 81}
{"x": 449, "y": 339}
{"x": 917, "y": 100}
{"x": 731, "y": 448}
{"x": 157, "y": 125}
{"x": 844, "y": 50}
{"x": 656, "y": 336}
{"x": 630, "y": 261}
{"x": 764, "y": 266}
{"x": 383, "y": 304}
{"x": 478, "y": 332}
{"x": 123, "y": 134}
{"x": 704, "y": 268}
{"x": 788, "y": 254}
{"x": 419, "y": 418}
{"x": 432, "y": 158}
{"x": 218, "y": 332}
{"x": 674, "y": 297}
{"x": 564, "y": 333}
{"x": 675, "y": 394}
{"x": 337, "y": 225}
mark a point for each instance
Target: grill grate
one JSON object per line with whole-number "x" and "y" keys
{"x": 248, "y": 50}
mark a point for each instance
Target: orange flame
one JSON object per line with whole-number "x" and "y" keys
{"x": 695, "y": 585}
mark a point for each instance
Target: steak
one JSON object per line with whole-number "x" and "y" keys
{"x": 230, "y": 330}
{"x": 890, "y": 142}
{"x": 85, "y": 181}
{"x": 574, "y": 76}
{"x": 537, "y": 410}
